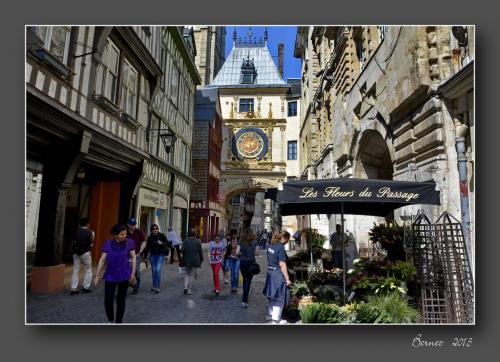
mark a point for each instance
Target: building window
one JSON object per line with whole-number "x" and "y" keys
{"x": 55, "y": 39}
{"x": 292, "y": 150}
{"x": 246, "y": 105}
{"x": 144, "y": 100}
{"x": 247, "y": 78}
{"x": 174, "y": 84}
{"x": 107, "y": 73}
{"x": 129, "y": 89}
{"x": 360, "y": 52}
{"x": 292, "y": 109}
{"x": 248, "y": 72}
{"x": 163, "y": 67}
{"x": 154, "y": 136}
{"x": 181, "y": 95}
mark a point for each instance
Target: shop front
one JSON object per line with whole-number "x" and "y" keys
{"x": 152, "y": 209}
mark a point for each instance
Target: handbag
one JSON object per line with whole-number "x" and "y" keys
{"x": 254, "y": 268}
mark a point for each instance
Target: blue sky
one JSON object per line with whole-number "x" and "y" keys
{"x": 276, "y": 35}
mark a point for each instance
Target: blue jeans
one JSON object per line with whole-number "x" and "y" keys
{"x": 247, "y": 279}
{"x": 234, "y": 265}
{"x": 156, "y": 264}
{"x": 137, "y": 272}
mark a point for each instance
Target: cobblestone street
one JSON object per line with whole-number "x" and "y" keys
{"x": 169, "y": 306}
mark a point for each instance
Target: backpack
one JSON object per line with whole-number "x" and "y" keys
{"x": 82, "y": 241}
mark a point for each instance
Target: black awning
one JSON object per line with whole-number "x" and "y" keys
{"x": 358, "y": 196}
{"x": 271, "y": 193}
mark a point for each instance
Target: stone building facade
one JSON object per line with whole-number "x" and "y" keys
{"x": 97, "y": 99}
{"x": 391, "y": 100}
{"x": 210, "y": 50}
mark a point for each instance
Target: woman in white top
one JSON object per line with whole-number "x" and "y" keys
{"x": 215, "y": 252}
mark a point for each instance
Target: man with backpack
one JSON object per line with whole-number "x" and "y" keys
{"x": 82, "y": 243}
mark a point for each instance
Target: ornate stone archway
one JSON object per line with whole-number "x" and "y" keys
{"x": 233, "y": 186}
{"x": 372, "y": 158}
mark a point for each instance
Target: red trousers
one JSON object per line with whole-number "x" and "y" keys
{"x": 216, "y": 270}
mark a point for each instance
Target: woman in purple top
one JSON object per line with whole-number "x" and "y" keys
{"x": 118, "y": 254}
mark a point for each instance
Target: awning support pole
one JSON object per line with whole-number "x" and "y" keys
{"x": 343, "y": 251}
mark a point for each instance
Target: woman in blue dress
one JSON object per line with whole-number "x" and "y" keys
{"x": 277, "y": 279}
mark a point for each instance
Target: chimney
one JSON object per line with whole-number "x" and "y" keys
{"x": 281, "y": 47}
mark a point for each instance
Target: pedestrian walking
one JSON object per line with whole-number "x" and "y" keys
{"x": 234, "y": 261}
{"x": 157, "y": 247}
{"x": 82, "y": 244}
{"x": 139, "y": 238}
{"x": 215, "y": 253}
{"x": 192, "y": 257}
{"x": 248, "y": 251}
{"x": 116, "y": 255}
{"x": 277, "y": 279}
{"x": 175, "y": 245}
{"x": 225, "y": 262}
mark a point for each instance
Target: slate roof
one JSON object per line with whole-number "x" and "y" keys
{"x": 206, "y": 104}
{"x": 267, "y": 73}
{"x": 295, "y": 87}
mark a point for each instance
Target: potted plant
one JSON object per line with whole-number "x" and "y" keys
{"x": 390, "y": 237}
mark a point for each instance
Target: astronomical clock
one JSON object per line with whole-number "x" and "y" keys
{"x": 249, "y": 144}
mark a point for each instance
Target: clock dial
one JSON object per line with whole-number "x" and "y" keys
{"x": 250, "y": 143}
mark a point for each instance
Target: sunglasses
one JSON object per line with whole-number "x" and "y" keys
{"x": 155, "y": 229}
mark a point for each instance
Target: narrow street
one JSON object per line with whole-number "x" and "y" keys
{"x": 169, "y": 306}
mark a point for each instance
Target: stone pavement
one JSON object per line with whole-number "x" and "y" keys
{"x": 169, "y": 306}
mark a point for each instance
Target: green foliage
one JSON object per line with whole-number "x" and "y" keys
{"x": 300, "y": 289}
{"x": 367, "y": 313}
{"x": 323, "y": 278}
{"x": 376, "y": 285}
{"x": 325, "y": 313}
{"x": 396, "y": 308}
{"x": 305, "y": 256}
{"x": 314, "y": 238}
{"x": 390, "y": 237}
{"x": 402, "y": 270}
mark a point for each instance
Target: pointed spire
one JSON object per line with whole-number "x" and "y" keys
{"x": 265, "y": 37}
{"x": 234, "y": 37}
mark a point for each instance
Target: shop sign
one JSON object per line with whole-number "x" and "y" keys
{"x": 151, "y": 198}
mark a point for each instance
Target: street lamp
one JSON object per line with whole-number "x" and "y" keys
{"x": 167, "y": 137}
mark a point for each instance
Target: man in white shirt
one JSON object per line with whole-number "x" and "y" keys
{"x": 174, "y": 244}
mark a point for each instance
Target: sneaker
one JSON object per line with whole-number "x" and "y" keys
{"x": 157, "y": 290}
{"x": 226, "y": 281}
{"x": 234, "y": 291}
{"x": 217, "y": 293}
{"x": 185, "y": 291}
{"x": 86, "y": 290}
{"x": 74, "y": 291}
{"x": 244, "y": 305}
{"x": 135, "y": 291}
{"x": 152, "y": 289}
{"x": 281, "y": 321}
{"x": 189, "y": 292}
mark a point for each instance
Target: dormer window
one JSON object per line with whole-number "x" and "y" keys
{"x": 248, "y": 72}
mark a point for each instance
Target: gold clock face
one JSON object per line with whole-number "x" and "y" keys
{"x": 250, "y": 144}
